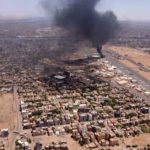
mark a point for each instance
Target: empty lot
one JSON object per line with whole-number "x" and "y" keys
{"x": 7, "y": 111}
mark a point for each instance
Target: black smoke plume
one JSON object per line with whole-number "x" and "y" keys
{"x": 82, "y": 17}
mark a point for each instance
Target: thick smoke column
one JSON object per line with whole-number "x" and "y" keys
{"x": 82, "y": 17}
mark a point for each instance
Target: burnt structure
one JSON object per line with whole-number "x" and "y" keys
{"x": 99, "y": 51}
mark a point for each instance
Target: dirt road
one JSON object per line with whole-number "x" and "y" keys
{"x": 18, "y": 127}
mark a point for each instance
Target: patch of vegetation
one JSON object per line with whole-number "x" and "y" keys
{"x": 29, "y": 141}
{"x": 37, "y": 113}
{"x": 56, "y": 111}
{"x": 110, "y": 102}
{"x": 145, "y": 128}
{"x": 39, "y": 104}
{"x": 130, "y": 115}
{"x": 18, "y": 146}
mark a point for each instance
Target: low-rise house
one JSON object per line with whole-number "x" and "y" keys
{"x": 38, "y": 132}
{"x": 113, "y": 142}
{"x": 38, "y": 146}
{"x": 27, "y": 125}
{"x": 4, "y": 133}
{"x": 145, "y": 110}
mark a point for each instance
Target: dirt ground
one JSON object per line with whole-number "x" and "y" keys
{"x": 133, "y": 55}
{"x": 136, "y": 68}
{"x": 141, "y": 140}
{"x": 72, "y": 145}
{"x": 7, "y": 111}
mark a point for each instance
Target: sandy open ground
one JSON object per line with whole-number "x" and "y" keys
{"x": 72, "y": 145}
{"x": 141, "y": 140}
{"x": 134, "y": 59}
{"x": 136, "y": 68}
{"x": 7, "y": 111}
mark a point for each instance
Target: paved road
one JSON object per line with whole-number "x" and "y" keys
{"x": 18, "y": 127}
{"x": 128, "y": 71}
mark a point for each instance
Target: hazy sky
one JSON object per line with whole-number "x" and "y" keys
{"x": 124, "y": 9}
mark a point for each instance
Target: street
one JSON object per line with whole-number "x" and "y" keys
{"x": 13, "y": 136}
{"x": 126, "y": 70}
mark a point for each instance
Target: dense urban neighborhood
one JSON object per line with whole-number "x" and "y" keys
{"x": 69, "y": 99}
